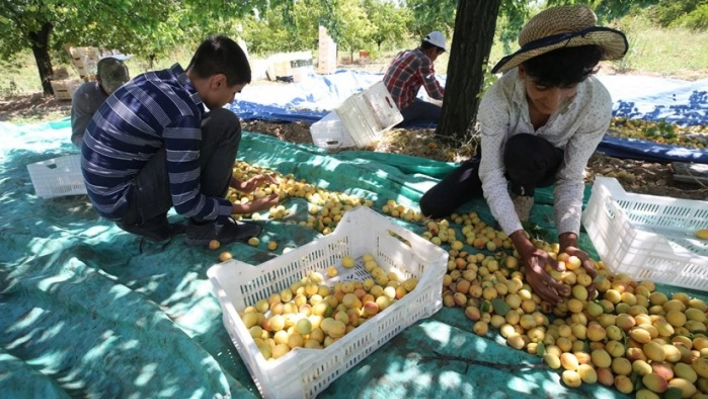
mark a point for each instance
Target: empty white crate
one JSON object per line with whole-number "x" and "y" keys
{"x": 295, "y": 66}
{"x": 648, "y": 237}
{"x": 329, "y": 132}
{"x": 57, "y": 177}
{"x": 303, "y": 373}
{"x": 368, "y": 114}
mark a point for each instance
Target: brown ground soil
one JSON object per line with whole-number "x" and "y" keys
{"x": 635, "y": 176}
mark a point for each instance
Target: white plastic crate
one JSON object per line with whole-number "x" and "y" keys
{"x": 281, "y": 65}
{"x": 648, "y": 237}
{"x": 301, "y": 73}
{"x": 303, "y": 373}
{"x": 57, "y": 177}
{"x": 330, "y": 133}
{"x": 368, "y": 114}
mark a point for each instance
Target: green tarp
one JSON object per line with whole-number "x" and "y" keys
{"x": 84, "y": 313}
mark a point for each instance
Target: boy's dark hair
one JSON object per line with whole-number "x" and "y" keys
{"x": 221, "y": 55}
{"x": 426, "y": 45}
{"x": 564, "y": 67}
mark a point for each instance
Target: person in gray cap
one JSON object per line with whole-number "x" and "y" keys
{"x": 410, "y": 70}
{"x": 111, "y": 74}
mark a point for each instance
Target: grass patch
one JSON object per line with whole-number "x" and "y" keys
{"x": 677, "y": 52}
{"x": 20, "y": 76}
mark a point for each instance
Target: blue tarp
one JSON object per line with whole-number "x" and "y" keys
{"x": 681, "y": 102}
{"x": 636, "y": 97}
{"x": 650, "y": 151}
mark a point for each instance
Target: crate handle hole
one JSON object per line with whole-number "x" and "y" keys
{"x": 388, "y": 101}
{"x": 52, "y": 166}
{"x": 608, "y": 209}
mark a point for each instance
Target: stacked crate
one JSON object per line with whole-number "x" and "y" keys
{"x": 327, "y": 53}
{"x": 85, "y": 60}
{"x": 64, "y": 89}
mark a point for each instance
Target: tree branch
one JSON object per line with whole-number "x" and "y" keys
{"x": 475, "y": 362}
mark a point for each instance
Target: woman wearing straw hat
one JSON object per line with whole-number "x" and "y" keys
{"x": 540, "y": 123}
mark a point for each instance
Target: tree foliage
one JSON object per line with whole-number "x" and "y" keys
{"x": 152, "y": 28}
{"x": 430, "y": 15}
{"x": 352, "y": 29}
{"x": 142, "y": 27}
{"x": 271, "y": 31}
{"x": 608, "y": 10}
{"x": 389, "y": 21}
{"x": 353, "y": 24}
{"x": 513, "y": 14}
{"x": 692, "y": 14}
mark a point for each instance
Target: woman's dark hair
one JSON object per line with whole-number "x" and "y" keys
{"x": 564, "y": 67}
{"x": 221, "y": 55}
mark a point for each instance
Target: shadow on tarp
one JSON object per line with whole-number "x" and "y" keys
{"x": 397, "y": 370}
{"x": 685, "y": 106}
{"x": 85, "y": 312}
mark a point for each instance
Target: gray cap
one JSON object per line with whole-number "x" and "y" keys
{"x": 113, "y": 73}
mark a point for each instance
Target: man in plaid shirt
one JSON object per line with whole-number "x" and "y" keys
{"x": 410, "y": 70}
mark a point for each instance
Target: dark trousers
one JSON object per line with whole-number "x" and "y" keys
{"x": 420, "y": 112}
{"x": 221, "y": 136}
{"x": 529, "y": 161}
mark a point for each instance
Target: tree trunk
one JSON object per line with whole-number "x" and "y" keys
{"x": 40, "y": 49}
{"x": 472, "y": 41}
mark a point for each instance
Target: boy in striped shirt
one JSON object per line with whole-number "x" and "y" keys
{"x": 163, "y": 140}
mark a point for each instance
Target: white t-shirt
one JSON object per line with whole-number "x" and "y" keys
{"x": 577, "y": 127}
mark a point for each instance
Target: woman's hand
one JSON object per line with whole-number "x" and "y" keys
{"x": 547, "y": 288}
{"x": 587, "y": 264}
{"x": 569, "y": 245}
{"x": 535, "y": 261}
{"x": 584, "y": 260}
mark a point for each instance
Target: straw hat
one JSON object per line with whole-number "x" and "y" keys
{"x": 565, "y": 26}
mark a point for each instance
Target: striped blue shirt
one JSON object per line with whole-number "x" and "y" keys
{"x": 154, "y": 110}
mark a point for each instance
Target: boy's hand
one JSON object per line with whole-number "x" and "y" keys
{"x": 255, "y": 205}
{"x": 265, "y": 203}
{"x": 254, "y": 182}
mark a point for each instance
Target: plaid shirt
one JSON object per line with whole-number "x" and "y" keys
{"x": 408, "y": 71}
